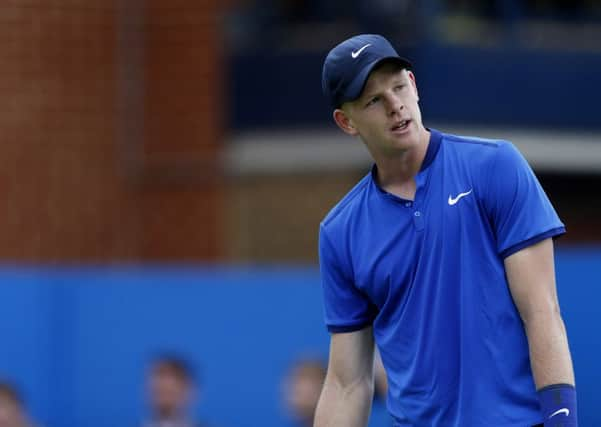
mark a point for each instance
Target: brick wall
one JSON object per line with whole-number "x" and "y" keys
{"x": 109, "y": 130}
{"x": 276, "y": 218}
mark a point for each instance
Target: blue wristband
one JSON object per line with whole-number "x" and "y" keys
{"x": 558, "y": 405}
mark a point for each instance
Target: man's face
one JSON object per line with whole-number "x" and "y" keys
{"x": 10, "y": 413}
{"x": 303, "y": 391}
{"x": 386, "y": 115}
{"x": 169, "y": 393}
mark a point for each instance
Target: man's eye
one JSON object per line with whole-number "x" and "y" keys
{"x": 399, "y": 87}
{"x": 372, "y": 101}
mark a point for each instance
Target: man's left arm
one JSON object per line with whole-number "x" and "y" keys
{"x": 531, "y": 276}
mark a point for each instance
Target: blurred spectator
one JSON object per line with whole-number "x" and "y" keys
{"x": 286, "y": 25}
{"x": 309, "y": 24}
{"x": 12, "y": 410}
{"x": 555, "y": 9}
{"x": 171, "y": 389}
{"x": 302, "y": 388}
{"x": 473, "y": 8}
{"x": 303, "y": 384}
{"x": 399, "y": 20}
{"x": 249, "y": 23}
{"x": 562, "y": 9}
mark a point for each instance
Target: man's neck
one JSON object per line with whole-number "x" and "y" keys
{"x": 171, "y": 414}
{"x": 396, "y": 174}
{"x": 170, "y": 420}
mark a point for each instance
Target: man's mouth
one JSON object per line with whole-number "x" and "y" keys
{"x": 400, "y": 126}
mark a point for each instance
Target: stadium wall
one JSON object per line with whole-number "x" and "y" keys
{"x": 77, "y": 340}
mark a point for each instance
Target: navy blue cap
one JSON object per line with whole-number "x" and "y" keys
{"x": 348, "y": 65}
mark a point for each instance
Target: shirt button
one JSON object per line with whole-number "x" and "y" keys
{"x": 408, "y": 204}
{"x": 417, "y": 213}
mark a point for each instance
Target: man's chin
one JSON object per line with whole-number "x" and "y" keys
{"x": 166, "y": 411}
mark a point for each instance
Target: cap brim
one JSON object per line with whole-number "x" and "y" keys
{"x": 356, "y": 87}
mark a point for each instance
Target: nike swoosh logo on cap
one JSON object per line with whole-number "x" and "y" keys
{"x": 356, "y": 53}
{"x": 565, "y": 411}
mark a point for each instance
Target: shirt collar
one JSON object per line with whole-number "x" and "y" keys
{"x": 431, "y": 151}
{"x": 433, "y": 146}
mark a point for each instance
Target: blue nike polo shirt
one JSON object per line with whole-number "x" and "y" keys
{"x": 428, "y": 274}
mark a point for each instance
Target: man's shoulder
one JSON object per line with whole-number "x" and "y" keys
{"x": 472, "y": 143}
{"x": 348, "y": 203}
{"x": 475, "y": 151}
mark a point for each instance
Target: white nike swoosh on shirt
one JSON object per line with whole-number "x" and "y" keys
{"x": 560, "y": 411}
{"x": 358, "y": 52}
{"x": 452, "y": 200}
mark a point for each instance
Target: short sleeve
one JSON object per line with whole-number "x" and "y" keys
{"x": 519, "y": 209}
{"x": 346, "y": 308}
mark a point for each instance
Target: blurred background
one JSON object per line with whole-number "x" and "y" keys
{"x": 164, "y": 166}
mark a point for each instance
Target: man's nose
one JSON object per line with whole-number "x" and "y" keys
{"x": 395, "y": 105}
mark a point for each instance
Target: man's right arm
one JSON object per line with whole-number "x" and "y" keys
{"x": 348, "y": 388}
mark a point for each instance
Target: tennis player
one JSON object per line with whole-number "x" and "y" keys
{"x": 442, "y": 256}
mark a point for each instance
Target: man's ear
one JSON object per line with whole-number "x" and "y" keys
{"x": 344, "y": 122}
{"x": 413, "y": 83}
